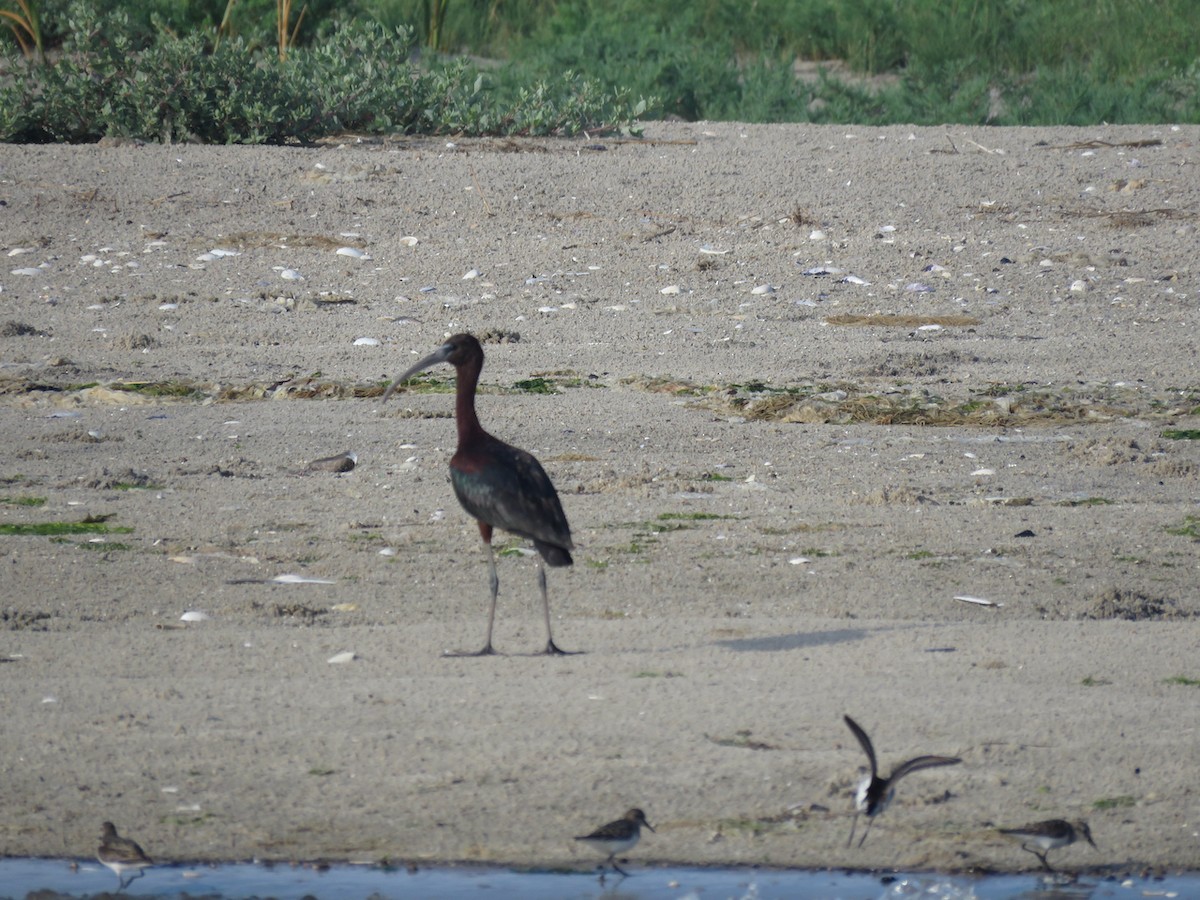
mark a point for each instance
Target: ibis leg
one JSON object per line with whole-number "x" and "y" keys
{"x": 866, "y": 831}
{"x": 494, "y": 587}
{"x": 551, "y": 647}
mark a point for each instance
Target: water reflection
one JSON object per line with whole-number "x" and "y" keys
{"x": 40, "y": 879}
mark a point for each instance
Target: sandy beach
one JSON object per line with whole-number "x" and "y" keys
{"x": 800, "y": 389}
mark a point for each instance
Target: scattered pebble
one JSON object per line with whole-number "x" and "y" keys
{"x": 978, "y": 601}
{"x": 343, "y": 462}
{"x": 299, "y": 579}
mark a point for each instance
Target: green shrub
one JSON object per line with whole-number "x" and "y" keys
{"x": 361, "y": 78}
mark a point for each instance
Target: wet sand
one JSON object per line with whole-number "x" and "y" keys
{"x": 799, "y": 389}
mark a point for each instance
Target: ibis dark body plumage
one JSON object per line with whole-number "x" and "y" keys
{"x": 500, "y": 485}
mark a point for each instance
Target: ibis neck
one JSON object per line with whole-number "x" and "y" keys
{"x": 464, "y": 401}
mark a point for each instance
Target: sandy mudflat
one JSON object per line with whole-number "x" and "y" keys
{"x": 803, "y": 387}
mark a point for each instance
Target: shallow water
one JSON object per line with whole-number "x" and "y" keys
{"x": 67, "y": 879}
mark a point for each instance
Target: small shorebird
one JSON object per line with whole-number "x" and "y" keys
{"x": 617, "y": 837}
{"x": 875, "y": 793}
{"x": 121, "y": 855}
{"x": 1049, "y": 835}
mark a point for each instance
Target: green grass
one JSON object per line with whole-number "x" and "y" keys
{"x": 96, "y": 525}
{"x": 1190, "y": 527}
{"x": 23, "y": 501}
{"x": 1182, "y": 434}
{"x": 535, "y": 386}
{"x": 103, "y": 546}
{"x": 1182, "y": 679}
{"x": 1089, "y": 681}
{"x": 691, "y": 517}
{"x": 1123, "y": 802}
{"x": 164, "y": 389}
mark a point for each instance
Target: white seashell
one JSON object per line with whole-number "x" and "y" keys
{"x": 917, "y": 287}
{"x": 1079, "y": 286}
{"x": 218, "y": 253}
{"x": 291, "y": 275}
{"x": 194, "y": 615}
{"x": 763, "y": 289}
{"x": 344, "y": 607}
{"x": 167, "y": 307}
{"x": 978, "y": 601}
{"x": 854, "y": 279}
{"x": 984, "y": 472}
{"x": 388, "y": 551}
{"x": 474, "y": 273}
{"x": 816, "y": 235}
{"x": 366, "y": 342}
{"x": 887, "y": 229}
{"x": 409, "y": 241}
{"x": 929, "y": 328}
{"x": 26, "y": 270}
{"x": 18, "y": 251}
{"x": 712, "y": 251}
{"x": 671, "y": 289}
{"x": 799, "y": 560}
{"x": 299, "y": 579}
{"x": 822, "y": 270}
{"x": 352, "y": 252}
{"x": 339, "y": 658}
{"x": 49, "y": 699}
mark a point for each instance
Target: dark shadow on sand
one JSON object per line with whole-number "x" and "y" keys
{"x": 798, "y": 641}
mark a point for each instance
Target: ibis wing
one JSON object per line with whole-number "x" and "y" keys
{"x": 922, "y": 762}
{"x": 864, "y": 742}
{"x": 507, "y": 487}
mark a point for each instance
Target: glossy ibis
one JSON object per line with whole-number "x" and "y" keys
{"x": 875, "y": 793}
{"x": 121, "y": 855}
{"x": 1049, "y": 835}
{"x": 502, "y": 486}
{"x": 617, "y": 837}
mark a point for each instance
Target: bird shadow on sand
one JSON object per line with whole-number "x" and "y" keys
{"x": 799, "y": 640}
